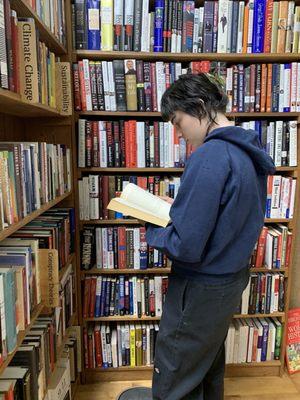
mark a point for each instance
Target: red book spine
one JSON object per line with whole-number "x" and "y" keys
{"x": 127, "y": 145}
{"x": 288, "y": 250}
{"x": 151, "y": 184}
{"x": 86, "y": 354}
{"x": 92, "y": 297}
{"x": 153, "y": 86}
{"x": 122, "y": 143}
{"x": 142, "y": 182}
{"x": 268, "y": 26}
{"x": 261, "y": 247}
{"x": 76, "y": 83}
{"x": 105, "y": 195}
{"x": 133, "y": 147}
{"x": 110, "y": 144}
{"x": 121, "y": 247}
{"x": 86, "y": 299}
{"x": 82, "y": 86}
{"x": 98, "y": 348}
{"x": 152, "y": 304}
{"x": 88, "y": 143}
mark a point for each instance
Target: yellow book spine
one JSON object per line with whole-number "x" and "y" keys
{"x": 53, "y": 84}
{"x": 296, "y": 41}
{"x": 107, "y": 25}
{"x": 132, "y": 346}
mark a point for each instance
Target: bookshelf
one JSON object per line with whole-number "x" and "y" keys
{"x": 271, "y": 368}
{"x": 23, "y": 121}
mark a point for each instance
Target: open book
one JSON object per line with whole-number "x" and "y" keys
{"x": 138, "y": 203}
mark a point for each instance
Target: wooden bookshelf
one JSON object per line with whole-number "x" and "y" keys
{"x": 63, "y": 270}
{"x": 21, "y": 336}
{"x": 187, "y": 57}
{"x": 149, "y": 271}
{"x": 14, "y": 227}
{"x": 12, "y": 104}
{"x": 23, "y": 9}
{"x": 156, "y": 114}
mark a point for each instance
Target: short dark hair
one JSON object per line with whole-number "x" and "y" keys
{"x": 199, "y": 95}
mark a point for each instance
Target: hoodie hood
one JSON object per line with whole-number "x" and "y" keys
{"x": 248, "y": 141}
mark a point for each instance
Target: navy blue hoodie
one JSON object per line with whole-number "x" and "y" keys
{"x": 220, "y": 206}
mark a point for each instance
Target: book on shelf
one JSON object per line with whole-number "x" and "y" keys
{"x": 124, "y": 296}
{"x": 141, "y": 204}
{"x": 264, "y": 294}
{"x": 121, "y": 247}
{"x": 181, "y": 26}
{"x": 253, "y": 340}
{"x": 96, "y": 191}
{"x": 32, "y": 174}
{"x": 292, "y": 341}
{"x": 281, "y": 194}
{"x": 106, "y": 86}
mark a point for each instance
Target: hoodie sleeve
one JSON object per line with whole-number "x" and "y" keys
{"x": 195, "y": 210}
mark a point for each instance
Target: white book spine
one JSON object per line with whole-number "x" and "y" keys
{"x": 119, "y": 342}
{"x": 161, "y": 81}
{"x": 99, "y": 286}
{"x": 114, "y": 349}
{"x": 134, "y": 292}
{"x": 178, "y": 72}
{"x": 278, "y": 143}
{"x": 171, "y": 145}
{"x": 81, "y": 143}
{"x": 250, "y": 343}
{"x": 140, "y": 138}
{"x": 275, "y": 201}
{"x": 106, "y": 86}
{"x": 94, "y": 196}
{"x": 284, "y": 198}
{"x": 112, "y": 89}
{"x": 158, "y": 295}
{"x": 151, "y": 146}
{"x": 228, "y": 40}
{"x": 99, "y": 248}
{"x": 294, "y": 87}
{"x": 287, "y": 88}
{"x": 250, "y": 26}
{"x": 222, "y": 26}
{"x": 281, "y": 88}
{"x": 103, "y": 145}
{"x": 298, "y": 85}
{"x": 143, "y": 297}
{"x": 196, "y": 29}
{"x": 161, "y": 145}
{"x": 245, "y": 299}
{"x": 272, "y": 139}
{"x": 229, "y": 87}
{"x": 103, "y": 345}
{"x": 104, "y": 248}
{"x": 292, "y": 199}
{"x": 289, "y": 27}
{"x": 145, "y": 26}
{"x": 240, "y": 27}
{"x": 293, "y": 143}
{"x": 136, "y": 248}
{"x": 87, "y": 84}
{"x": 80, "y": 195}
{"x": 86, "y": 198}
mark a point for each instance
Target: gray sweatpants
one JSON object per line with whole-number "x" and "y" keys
{"x": 189, "y": 355}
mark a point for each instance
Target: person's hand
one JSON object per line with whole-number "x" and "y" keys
{"x": 167, "y": 199}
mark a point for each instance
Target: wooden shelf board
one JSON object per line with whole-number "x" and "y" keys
{"x": 281, "y": 270}
{"x": 157, "y": 114}
{"x": 74, "y": 386}
{"x": 14, "y": 227}
{"x": 273, "y": 315}
{"x": 98, "y": 271}
{"x": 118, "y": 318}
{"x": 11, "y": 103}
{"x": 278, "y": 220}
{"x": 21, "y": 336}
{"x": 185, "y": 57}
{"x": 65, "y": 267}
{"x": 23, "y": 9}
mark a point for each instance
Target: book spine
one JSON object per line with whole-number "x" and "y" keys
{"x": 158, "y": 25}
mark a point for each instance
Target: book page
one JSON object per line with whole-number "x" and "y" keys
{"x": 146, "y": 201}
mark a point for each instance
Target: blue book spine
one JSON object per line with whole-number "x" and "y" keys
{"x": 121, "y": 294}
{"x": 258, "y": 26}
{"x": 10, "y": 312}
{"x": 98, "y": 297}
{"x": 258, "y": 129}
{"x": 102, "y": 298}
{"x": 172, "y": 73}
{"x": 93, "y": 24}
{"x": 107, "y": 297}
{"x": 130, "y": 298}
{"x": 264, "y": 341}
{"x": 158, "y": 25}
{"x": 287, "y": 66}
{"x": 143, "y": 249}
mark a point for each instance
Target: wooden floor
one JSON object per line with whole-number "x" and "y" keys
{"x": 265, "y": 388}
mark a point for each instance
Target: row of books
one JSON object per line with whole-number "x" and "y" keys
{"x": 122, "y": 247}
{"x": 132, "y": 144}
{"x": 137, "y": 85}
{"x": 278, "y": 138}
{"x": 178, "y": 26}
{"x": 32, "y": 174}
{"x": 273, "y": 248}
{"x": 52, "y": 13}
{"x": 253, "y": 340}
{"x": 135, "y": 296}
{"x": 35, "y": 372}
{"x": 264, "y": 294}
{"x": 28, "y": 66}
{"x": 281, "y": 194}
{"x": 95, "y": 192}
{"x": 107, "y": 345}
{"x": 124, "y": 345}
